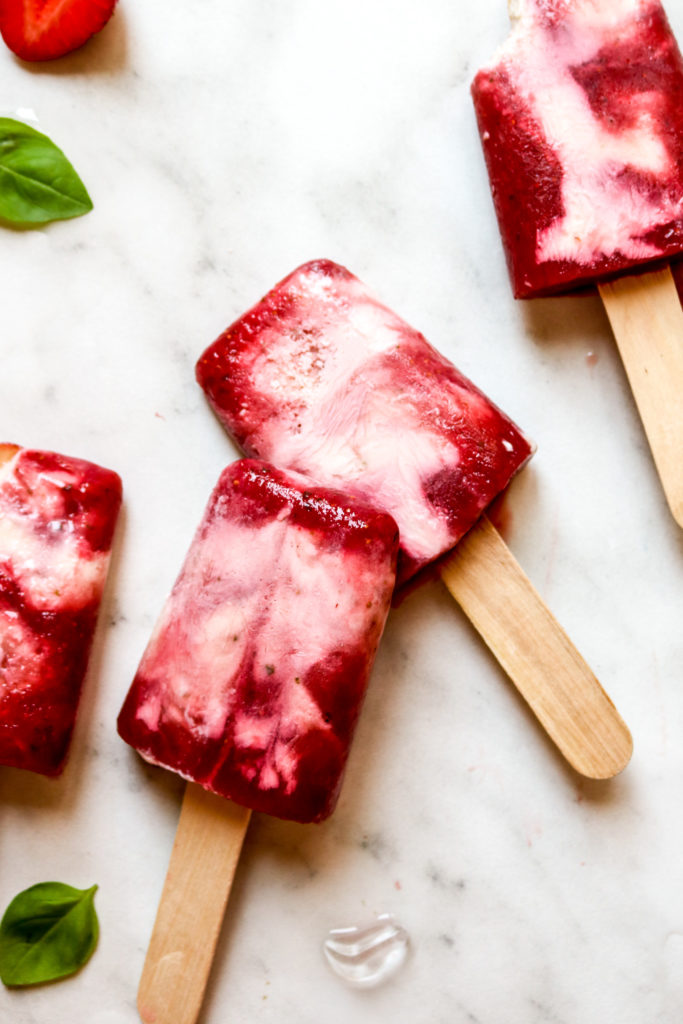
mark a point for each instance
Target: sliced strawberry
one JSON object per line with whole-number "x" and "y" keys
{"x": 45, "y": 29}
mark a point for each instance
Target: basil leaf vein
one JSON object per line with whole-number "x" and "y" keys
{"x": 37, "y": 182}
{"x": 48, "y": 931}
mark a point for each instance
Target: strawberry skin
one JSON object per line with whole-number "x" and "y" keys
{"x": 45, "y": 29}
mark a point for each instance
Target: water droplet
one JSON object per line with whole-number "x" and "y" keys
{"x": 368, "y": 955}
{"x": 591, "y": 358}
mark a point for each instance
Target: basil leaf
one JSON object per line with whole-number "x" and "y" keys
{"x": 47, "y": 932}
{"x": 37, "y": 182}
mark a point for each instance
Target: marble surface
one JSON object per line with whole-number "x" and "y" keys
{"x": 223, "y": 145}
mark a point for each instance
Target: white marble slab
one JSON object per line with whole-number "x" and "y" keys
{"x": 223, "y": 144}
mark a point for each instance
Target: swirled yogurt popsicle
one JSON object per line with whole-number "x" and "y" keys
{"x": 254, "y": 676}
{"x": 57, "y": 519}
{"x": 321, "y": 378}
{"x": 581, "y": 120}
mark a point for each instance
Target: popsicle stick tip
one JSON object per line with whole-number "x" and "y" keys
{"x": 608, "y": 763}
{"x": 538, "y": 656}
{"x": 676, "y": 506}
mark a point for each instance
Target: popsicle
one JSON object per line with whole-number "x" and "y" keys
{"x": 57, "y": 519}
{"x": 580, "y": 115}
{"x": 251, "y": 686}
{"x": 321, "y": 378}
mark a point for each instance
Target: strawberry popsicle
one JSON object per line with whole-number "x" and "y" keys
{"x": 57, "y": 519}
{"x": 580, "y": 115}
{"x": 253, "y": 679}
{"x": 581, "y": 121}
{"x": 322, "y": 378}
{"x": 250, "y": 688}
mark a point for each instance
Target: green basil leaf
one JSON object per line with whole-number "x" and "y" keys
{"x": 47, "y": 932}
{"x": 37, "y": 182}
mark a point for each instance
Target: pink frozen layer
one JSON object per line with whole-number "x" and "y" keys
{"x": 581, "y": 120}
{"x": 321, "y": 378}
{"x": 57, "y": 518}
{"x": 254, "y": 676}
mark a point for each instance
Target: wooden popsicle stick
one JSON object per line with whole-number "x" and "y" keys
{"x": 647, "y": 321}
{"x": 569, "y": 702}
{"x": 203, "y": 862}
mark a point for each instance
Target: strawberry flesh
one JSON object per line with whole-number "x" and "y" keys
{"x": 45, "y": 29}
